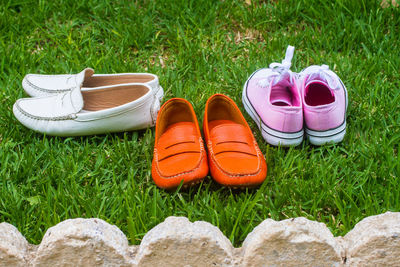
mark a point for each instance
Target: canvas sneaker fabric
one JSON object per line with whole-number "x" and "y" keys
{"x": 325, "y": 101}
{"x": 272, "y": 99}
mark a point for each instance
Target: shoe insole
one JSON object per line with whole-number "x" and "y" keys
{"x": 96, "y": 100}
{"x": 97, "y": 81}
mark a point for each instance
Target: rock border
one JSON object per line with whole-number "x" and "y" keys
{"x": 374, "y": 241}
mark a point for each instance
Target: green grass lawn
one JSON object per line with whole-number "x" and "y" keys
{"x": 199, "y": 48}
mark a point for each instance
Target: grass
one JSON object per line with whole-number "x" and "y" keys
{"x": 199, "y": 48}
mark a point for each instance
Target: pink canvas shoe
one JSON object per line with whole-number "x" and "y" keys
{"x": 325, "y": 102}
{"x": 272, "y": 99}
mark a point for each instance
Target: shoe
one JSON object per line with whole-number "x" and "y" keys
{"x": 37, "y": 85}
{"x": 234, "y": 157}
{"x": 272, "y": 99}
{"x": 325, "y": 101}
{"x": 114, "y": 108}
{"x": 179, "y": 154}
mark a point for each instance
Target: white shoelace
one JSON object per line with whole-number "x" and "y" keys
{"x": 287, "y": 62}
{"x": 311, "y": 73}
{"x": 280, "y": 68}
{"x": 321, "y": 73}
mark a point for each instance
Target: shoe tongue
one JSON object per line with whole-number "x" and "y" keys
{"x": 281, "y": 96}
{"x": 283, "y": 78}
{"x": 76, "y": 94}
{"x": 324, "y": 78}
{"x": 316, "y": 76}
{"x": 280, "y": 90}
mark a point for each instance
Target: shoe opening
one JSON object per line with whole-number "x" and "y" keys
{"x": 318, "y": 93}
{"x": 284, "y": 94}
{"x": 112, "y": 97}
{"x": 105, "y": 80}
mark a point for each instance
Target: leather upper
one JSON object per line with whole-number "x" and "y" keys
{"x": 37, "y": 85}
{"x": 179, "y": 152}
{"x": 107, "y": 109}
{"x": 234, "y": 156}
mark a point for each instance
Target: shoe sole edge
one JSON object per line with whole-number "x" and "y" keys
{"x": 335, "y": 135}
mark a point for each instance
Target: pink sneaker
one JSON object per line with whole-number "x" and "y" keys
{"x": 272, "y": 99}
{"x": 325, "y": 102}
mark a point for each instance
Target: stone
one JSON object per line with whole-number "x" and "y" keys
{"x": 178, "y": 242}
{"x": 83, "y": 242}
{"x": 14, "y": 249}
{"x": 292, "y": 242}
{"x": 375, "y": 241}
{"x": 388, "y": 3}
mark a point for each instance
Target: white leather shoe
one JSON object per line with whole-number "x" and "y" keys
{"x": 45, "y": 85}
{"x": 113, "y": 108}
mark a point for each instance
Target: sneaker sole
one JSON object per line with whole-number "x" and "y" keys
{"x": 334, "y": 135}
{"x": 272, "y": 136}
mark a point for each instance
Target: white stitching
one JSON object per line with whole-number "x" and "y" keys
{"x": 47, "y": 90}
{"x": 60, "y": 118}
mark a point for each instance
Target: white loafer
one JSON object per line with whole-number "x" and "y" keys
{"x": 113, "y": 108}
{"x": 37, "y": 85}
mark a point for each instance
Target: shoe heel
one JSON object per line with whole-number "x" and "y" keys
{"x": 289, "y": 139}
{"x": 319, "y": 138}
{"x": 272, "y": 137}
{"x": 155, "y": 107}
{"x": 160, "y": 93}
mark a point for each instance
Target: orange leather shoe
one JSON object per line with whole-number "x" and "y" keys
{"x": 234, "y": 157}
{"x": 179, "y": 152}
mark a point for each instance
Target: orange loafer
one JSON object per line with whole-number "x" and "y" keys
{"x": 179, "y": 152}
{"x": 234, "y": 157}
